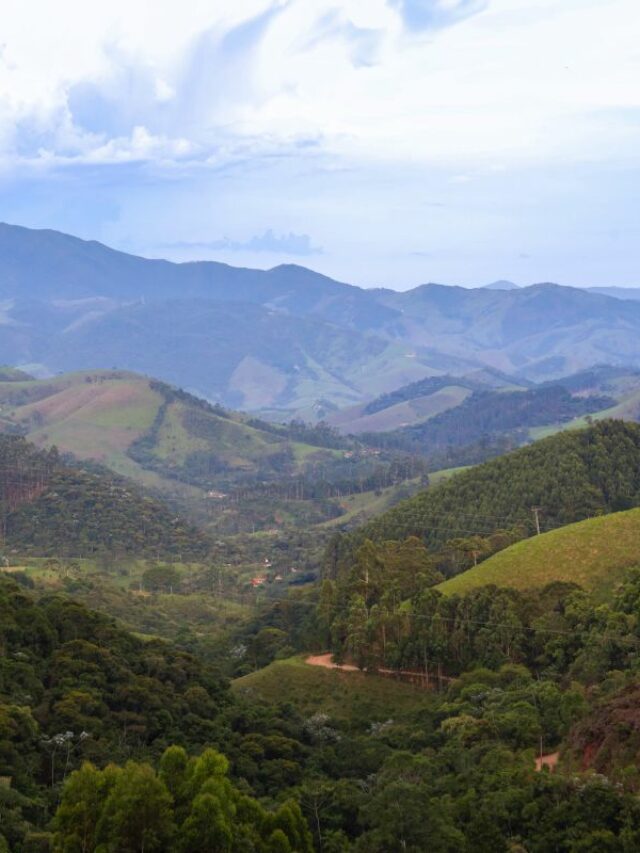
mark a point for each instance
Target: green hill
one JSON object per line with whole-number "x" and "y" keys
{"x": 572, "y": 476}
{"x": 226, "y": 470}
{"x": 52, "y": 508}
{"x": 491, "y": 413}
{"x": 593, "y": 554}
{"x": 351, "y": 696}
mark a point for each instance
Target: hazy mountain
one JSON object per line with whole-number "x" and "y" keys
{"x": 502, "y": 284}
{"x": 617, "y": 292}
{"x": 287, "y": 339}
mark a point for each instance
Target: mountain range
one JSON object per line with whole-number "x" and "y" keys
{"x": 288, "y": 340}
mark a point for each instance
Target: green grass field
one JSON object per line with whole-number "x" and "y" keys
{"x": 349, "y": 696}
{"x": 594, "y": 554}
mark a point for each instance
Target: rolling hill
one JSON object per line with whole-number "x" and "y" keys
{"x": 481, "y": 414}
{"x": 286, "y": 340}
{"x": 595, "y": 554}
{"x": 229, "y": 471}
{"x": 572, "y": 476}
{"x": 352, "y": 697}
{"x": 50, "y": 507}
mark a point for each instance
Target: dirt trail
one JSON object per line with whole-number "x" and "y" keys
{"x": 327, "y": 662}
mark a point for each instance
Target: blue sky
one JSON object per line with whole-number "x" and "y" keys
{"x": 386, "y": 142}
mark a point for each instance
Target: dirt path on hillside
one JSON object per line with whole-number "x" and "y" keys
{"x": 327, "y": 662}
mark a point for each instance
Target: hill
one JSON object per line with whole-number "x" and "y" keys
{"x": 595, "y": 554}
{"x": 53, "y": 508}
{"x": 571, "y": 475}
{"x": 228, "y": 470}
{"x": 70, "y": 304}
{"x": 353, "y": 697}
{"x": 485, "y": 414}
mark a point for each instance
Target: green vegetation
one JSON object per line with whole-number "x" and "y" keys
{"x": 188, "y": 805}
{"x": 594, "y": 554}
{"x": 490, "y": 413}
{"x": 572, "y": 476}
{"x": 51, "y": 508}
{"x": 351, "y": 697}
{"x": 127, "y": 735}
{"x": 228, "y": 472}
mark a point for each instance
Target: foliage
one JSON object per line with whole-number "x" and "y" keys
{"x": 50, "y": 508}
{"x": 486, "y": 413}
{"x": 189, "y": 805}
{"x": 572, "y": 476}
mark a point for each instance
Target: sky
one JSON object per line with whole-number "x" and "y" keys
{"x": 382, "y": 142}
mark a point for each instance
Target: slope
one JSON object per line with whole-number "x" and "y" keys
{"x": 51, "y": 508}
{"x": 572, "y": 476}
{"x": 353, "y": 697}
{"x": 483, "y": 414}
{"x": 594, "y": 554}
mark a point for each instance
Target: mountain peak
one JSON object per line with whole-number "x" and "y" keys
{"x": 502, "y": 284}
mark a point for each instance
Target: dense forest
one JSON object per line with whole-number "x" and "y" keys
{"x": 50, "y": 507}
{"x": 108, "y": 742}
{"x": 113, "y": 741}
{"x": 486, "y": 413}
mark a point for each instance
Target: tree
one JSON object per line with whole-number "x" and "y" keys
{"x": 207, "y": 829}
{"x": 137, "y": 816}
{"x": 76, "y": 819}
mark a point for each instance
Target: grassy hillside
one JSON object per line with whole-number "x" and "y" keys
{"x": 594, "y": 554}
{"x": 350, "y": 696}
{"x": 226, "y": 470}
{"x": 402, "y": 413}
{"x": 492, "y": 413}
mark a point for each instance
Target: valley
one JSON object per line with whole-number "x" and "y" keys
{"x": 289, "y": 622}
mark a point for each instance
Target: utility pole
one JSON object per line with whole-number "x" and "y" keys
{"x": 536, "y": 510}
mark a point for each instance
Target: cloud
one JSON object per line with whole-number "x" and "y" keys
{"x": 286, "y": 244}
{"x": 363, "y": 43}
{"x": 435, "y": 14}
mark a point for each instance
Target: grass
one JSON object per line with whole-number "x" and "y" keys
{"x": 114, "y": 591}
{"x": 403, "y": 413}
{"x": 368, "y": 504}
{"x": 595, "y": 554}
{"x": 349, "y": 696}
{"x": 445, "y": 474}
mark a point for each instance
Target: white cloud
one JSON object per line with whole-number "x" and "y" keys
{"x": 446, "y": 81}
{"x": 479, "y": 131}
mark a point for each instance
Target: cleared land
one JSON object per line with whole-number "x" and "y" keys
{"x": 350, "y": 696}
{"x": 594, "y": 554}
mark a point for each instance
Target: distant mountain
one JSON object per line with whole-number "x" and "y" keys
{"x": 617, "y": 292}
{"x": 288, "y": 340}
{"x": 502, "y": 284}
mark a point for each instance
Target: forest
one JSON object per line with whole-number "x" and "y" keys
{"x": 488, "y": 413}
{"x": 570, "y": 476}
{"x": 52, "y": 507}
{"x": 180, "y": 731}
